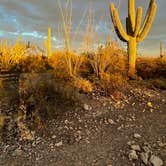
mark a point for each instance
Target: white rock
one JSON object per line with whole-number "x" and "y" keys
{"x": 54, "y": 136}
{"x": 59, "y": 144}
{"x": 156, "y": 161}
{"x": 136, "y": 135}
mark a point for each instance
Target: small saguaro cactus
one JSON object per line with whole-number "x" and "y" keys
{"x": 48, "y": 43}
{"x": 135, "y": 33}
{"x": 161, "y": 49}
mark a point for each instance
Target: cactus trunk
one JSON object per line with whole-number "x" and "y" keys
{"x": 132, "y": 47}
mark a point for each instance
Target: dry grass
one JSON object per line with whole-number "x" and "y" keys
{"x": 11, "y": 55}
{"x": 148, "y": 67}
{"x": 83, "y": 85}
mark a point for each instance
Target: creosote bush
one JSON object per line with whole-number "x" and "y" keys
{"x": 148, "y": 67}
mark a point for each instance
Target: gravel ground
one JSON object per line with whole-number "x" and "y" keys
{"x": 101, "y": 131}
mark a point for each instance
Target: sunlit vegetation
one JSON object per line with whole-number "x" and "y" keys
{"x": 64, "y": 74}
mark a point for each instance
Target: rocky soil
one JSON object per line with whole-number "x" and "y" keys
{"x": 100, "y": 131}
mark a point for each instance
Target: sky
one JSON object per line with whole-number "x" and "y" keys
{"x": 31, "y": 18}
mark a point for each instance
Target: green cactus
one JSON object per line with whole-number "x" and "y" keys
{"x": 135, "y": 33}
{"x": 48, "y": 43}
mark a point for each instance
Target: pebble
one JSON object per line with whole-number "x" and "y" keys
{"x": 136, "y": 135}
{"x": 87, "y": 107}
{"x": 54, "y": 136}
{"x": 156, "y": 161}
{"x": 161, "y": 144}
{"x": 136, "y": 147}
{"x": 149, "y": 104}
{"x": 111, "y": 121}
{"x": 59, "y": 144}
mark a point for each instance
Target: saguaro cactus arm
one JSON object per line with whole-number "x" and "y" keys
{"x": 148, "y": 23}
{"x": 147, "y": 14}
{"x": 138, "y": 21}
{"x": 117, "y": 23}
{"x": 131, "y": 13}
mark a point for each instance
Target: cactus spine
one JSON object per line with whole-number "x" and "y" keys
{"x": 135, "y": 33}
{"x": 48, "y": 43}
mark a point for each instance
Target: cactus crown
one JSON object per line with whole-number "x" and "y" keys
{"x": 133, "y": 21}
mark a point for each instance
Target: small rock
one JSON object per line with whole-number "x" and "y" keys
{"x": 149, "y": 104}
{"x": 87, "y": 107}
{"x": 161, "y": 144}
{"x": 136, "y": 147}
{"x": 156, "y": 161}
{"x": 111, "y": 121}
{"x": 54, "y": 136}
{"x": 136, "y": 135}
{"x": 144, "y": 157}
{"x": 133, "y": 155}
{"x": 59, "y": 144}
{"x": 17, "y": 152}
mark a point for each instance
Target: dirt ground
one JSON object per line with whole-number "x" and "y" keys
{"x": 97, "y": 132}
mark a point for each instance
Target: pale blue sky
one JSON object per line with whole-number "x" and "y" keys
{"x": 32, "y": 17}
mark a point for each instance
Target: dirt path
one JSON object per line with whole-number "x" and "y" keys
{"x": 98, "y": 133}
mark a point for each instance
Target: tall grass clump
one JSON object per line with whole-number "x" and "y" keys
{"x": 11, "y": 56}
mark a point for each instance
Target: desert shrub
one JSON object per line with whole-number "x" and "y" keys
{"x": 34, "y": 63}
{"x": 112, "y": 83}
{"x": 148, "y": 67}
{"x": 55, "y": 59}
{"x": 35, "y": 89}
{"x": 66, "y": 64}
{"x": 158, "y": 83}
{"x": 108, "y": 59}
{"x": 83, "y": 85}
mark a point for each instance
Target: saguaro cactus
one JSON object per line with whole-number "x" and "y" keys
{"x": 48, "y": 43}
{"x": 161, "y": 49}
{"x": 134, "y": 32}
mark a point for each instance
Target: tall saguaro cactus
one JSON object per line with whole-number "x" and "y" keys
{"x": 48, "y": 43}
{"x": 135, "y": 33}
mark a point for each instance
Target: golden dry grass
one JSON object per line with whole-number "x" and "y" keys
{"x": 11, "y": 55}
